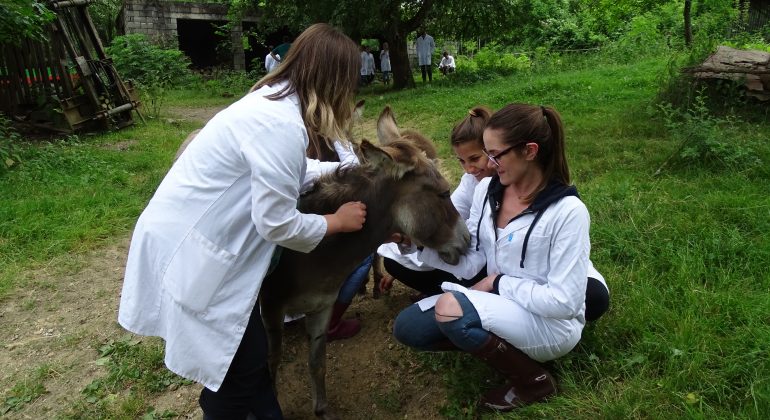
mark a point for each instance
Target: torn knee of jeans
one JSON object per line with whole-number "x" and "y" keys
{"x": 448, "y": 308}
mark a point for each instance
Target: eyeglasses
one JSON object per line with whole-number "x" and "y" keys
{"x": 495, "y": 158}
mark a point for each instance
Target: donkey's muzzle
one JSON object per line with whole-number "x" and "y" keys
{"x": 450, "y": 253}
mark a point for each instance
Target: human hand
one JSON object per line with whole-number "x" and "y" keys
{"x": 386, "y": 283}
{"x": 486, "y": 284}
{"x": 401, "y": 240}
{"x": 350, "y": 217}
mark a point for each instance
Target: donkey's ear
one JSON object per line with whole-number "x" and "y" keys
{"x": 374, "y": 155}
{"x": 387, "y": 130}
{"x": 384, "y": 161}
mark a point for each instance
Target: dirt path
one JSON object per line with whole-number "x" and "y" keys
{"x": 68, "y": 311}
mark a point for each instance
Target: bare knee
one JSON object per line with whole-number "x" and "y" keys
{"x": 448, "y": 308}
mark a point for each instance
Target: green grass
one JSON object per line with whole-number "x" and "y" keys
{"x": 685, "y": 252}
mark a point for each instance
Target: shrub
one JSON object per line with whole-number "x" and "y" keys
{"x": 495, "y": 59}
{"x": 154, "y": 69}
{"x": 9, "y": 145}
{"x": 704, "y": 139}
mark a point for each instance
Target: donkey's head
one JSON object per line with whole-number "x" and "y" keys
{"x": 422, "y": 208}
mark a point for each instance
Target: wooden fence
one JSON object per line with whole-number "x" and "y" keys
{"x": 66, "y": 83}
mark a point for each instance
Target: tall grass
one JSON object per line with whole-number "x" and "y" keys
{"x": 685, "y": 252}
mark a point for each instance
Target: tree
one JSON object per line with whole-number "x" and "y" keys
{"x": 21, "y": 19}
{"x": 388, "y": 20}
{"x": 687, "y": 23}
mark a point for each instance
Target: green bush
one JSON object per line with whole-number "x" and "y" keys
{"x": 154, "y": 69}
{"x": 9, "y": 145}
{"x": 495, "y": 59}
{"x": 706, "y": 140}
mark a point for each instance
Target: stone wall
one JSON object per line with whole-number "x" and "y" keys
{"x": 158, "y": 20}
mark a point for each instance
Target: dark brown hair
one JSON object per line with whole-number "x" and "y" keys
{"x": 522, "y": 123}
{"x": 322, "y": 68}
{"x": 471, "y": 128}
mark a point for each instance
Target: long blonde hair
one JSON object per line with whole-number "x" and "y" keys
{"x": 322, "y": 68}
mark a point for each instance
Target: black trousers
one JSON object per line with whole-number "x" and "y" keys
{"x": 427, "y": 70}
{"x": 429, "y": 282}
{"x": 247, "y": 388}
{"x": 426, "y": 282}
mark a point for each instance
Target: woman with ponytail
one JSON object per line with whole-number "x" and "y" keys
{"x": 531, "y": 231}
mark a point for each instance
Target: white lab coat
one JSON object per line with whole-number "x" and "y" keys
{"x": 385, "y": 60}
{"x": 425, "y": 47}
{"x": 201, "y": 248}
{"x": 541, "y": 306}
{"x": 270, "y": 62}
{"x": 447, "y": 61}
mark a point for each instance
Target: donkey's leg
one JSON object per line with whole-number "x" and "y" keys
{"x": 378, "y": 271}
{"x": 316, "y": 325}
{"x": 272, "y": 317}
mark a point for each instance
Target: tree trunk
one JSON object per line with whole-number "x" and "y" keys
{"x": 399, "y": 61}
{"x": 687, "y": 23}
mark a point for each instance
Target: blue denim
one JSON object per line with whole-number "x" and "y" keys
{"x": 420, "y": 330}
{"x": 354, "y": 281}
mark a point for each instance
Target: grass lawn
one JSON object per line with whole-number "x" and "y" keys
{"x": 685, "y": 252}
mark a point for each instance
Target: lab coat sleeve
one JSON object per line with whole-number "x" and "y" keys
{"x": 316, "y": 168}
{"x": 563, "y": 295}
{"x": 473, "y": 261}
{"x": 277, "y": 167}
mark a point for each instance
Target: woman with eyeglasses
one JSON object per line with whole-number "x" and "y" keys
{"x": 206, "y": 240}
{"x": 531, "y": 231}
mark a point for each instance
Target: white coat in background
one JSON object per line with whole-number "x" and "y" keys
{"x": 425, "y": 48}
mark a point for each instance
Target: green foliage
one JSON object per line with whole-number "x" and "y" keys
{"x": 26, "y": 391}
{"x": 494, "y": 58}
{"x": 129, "y": 362}
{"x": 154, "y": 69}
{"x": 104, "y": 14}
{"x": 706, "y": 140}
{"x": 21, "y": 19}
{"x": 229, "y": 83}
{"x": 9, "y": 145}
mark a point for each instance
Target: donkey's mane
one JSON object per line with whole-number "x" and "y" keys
{"x": 346, "y": 183}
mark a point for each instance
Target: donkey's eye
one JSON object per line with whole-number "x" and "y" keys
{"x": 445, "y": 194}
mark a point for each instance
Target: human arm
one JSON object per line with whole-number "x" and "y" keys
{"x": 316, "y": 168}
{"x": 273, "y": 145}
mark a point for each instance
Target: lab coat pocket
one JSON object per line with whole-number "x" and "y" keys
{"x": 197, "y": 271}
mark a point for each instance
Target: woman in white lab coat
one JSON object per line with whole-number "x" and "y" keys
{"x": 531, "y": 230}
{"x": 203, "y": 245}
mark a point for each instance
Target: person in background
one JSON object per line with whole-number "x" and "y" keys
{"x": 425, "y": 47}
{"x": 280, "y": 51}
{"x": 447, "y": 64}
{"x": 531, "y": 230}
{"x": 207, "y": 238}
{"x": 270, "y": 62}
{"x": 385, "y": 63}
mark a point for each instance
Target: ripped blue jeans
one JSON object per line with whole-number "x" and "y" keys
{"x": 421, "y": 331}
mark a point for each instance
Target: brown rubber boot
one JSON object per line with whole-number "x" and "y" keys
{"x": 340, "y": 329}
{"x": 528, "y": 381}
